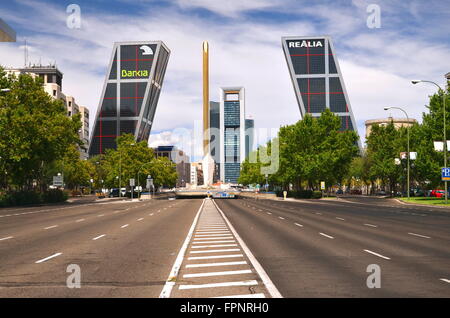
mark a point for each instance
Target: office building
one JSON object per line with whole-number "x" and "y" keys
{"x": 397, "y": 122}
{"x": 317, "y": 78}
{"x": 7, "y": 34}
{"x": 249, "y": 136}
{"x": 130, "y": 93}
{"x": 181, "y": 161}
{"x": 232, "y": 133}
{"x": 214, "y": 131}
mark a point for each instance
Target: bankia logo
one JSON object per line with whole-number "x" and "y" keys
{"x": 305, "y": 43}
{"x": 141, "y": 73}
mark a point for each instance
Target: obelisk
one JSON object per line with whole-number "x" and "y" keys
{"x": 208, "y": 162}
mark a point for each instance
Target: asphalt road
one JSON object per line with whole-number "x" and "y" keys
{"x": 323, "y": 248}
{"x": 123, "y": 249}
{"x": 318, "y": 248}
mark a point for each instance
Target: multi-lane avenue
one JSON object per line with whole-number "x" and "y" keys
{"x": 226, "y": 248}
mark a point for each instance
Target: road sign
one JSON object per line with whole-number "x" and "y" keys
{"x": 445, "y": 174}
{"x": 131, "y": 182}
{"x": 57, "y": 181}
{"x": 322, "y": 185}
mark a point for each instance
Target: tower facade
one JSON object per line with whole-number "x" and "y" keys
{"x": 130, "y": 93}
{"x": 232, "y": 133}
{"x": 317, "y": 78}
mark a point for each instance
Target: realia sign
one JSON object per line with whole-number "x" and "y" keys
{"x": 305, "y": 43}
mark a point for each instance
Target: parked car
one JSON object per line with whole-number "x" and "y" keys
{"x": 437, "y": 193}
{"x": 381, "y": 192}
{"x": 339, "y": 191}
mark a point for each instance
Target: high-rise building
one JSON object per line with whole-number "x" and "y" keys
{"x": 317, "y": 78}
{"x": 249, "y": 136}
{"x": 130, "y": 93}
{"x": 7, "y": 34}
{"x": 214, "y": 132}
{"x": 232, "y": 133}
{"x": 84, "y": 135}
{"x": 52, "y": 80}
{"x": 181, "y": 161}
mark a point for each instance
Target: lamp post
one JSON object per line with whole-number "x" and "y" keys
{"x": 407, "y": 133}
{"x": 445, "y": 134}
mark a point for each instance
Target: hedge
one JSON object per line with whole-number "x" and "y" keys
{"x": 32, "y": 197}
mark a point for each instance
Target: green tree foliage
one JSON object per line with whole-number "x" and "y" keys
{"x": 132, "y": 160}
{"x": 34, "y": 132}
{"x": 311, "y": 150}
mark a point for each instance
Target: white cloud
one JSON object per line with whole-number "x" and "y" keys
{"x": 376, "y": 65}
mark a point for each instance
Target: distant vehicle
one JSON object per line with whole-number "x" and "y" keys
{"x": 339, "y": 191}
{"x": 100, "y": 194}
{"x": 437, "y": 193}
{"x": 381, "y": 192}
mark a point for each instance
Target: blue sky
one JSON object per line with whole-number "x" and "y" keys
{"x": 244, "y": 37}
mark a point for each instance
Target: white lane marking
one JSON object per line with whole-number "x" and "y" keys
{"x": 260, "y": 295}
{"x": 281, "y": 218}
{"x": 371, "y": 225}
{"x": 213, "y": 238}
{"x": 47, "y": 258}
{"x": 211, "y": 232}
{"x": 6, "y": 238}
{"x": 216, "y": 264}
{"x": 40, "y": 211}
{"x": 216, "y": 256}
{"x": 271, "y": 288}
{"x": 340, "y": 219}
{"x": 326, "y": 235}
{"x": 98, "y": 237}
{"x": 167, "y": 289}
{"x": 124, "y": 226}
{"x": 445, "y": 280}
{"x": 376, "y": 254}
{"x": 298, "y": 224}
{"x": 79, "y": 220}
{"x": 50, "y": 227}
{"x": 151, "y": 214}
{"x": 140, "y": 219}
{"x": 216, "y": 251}
{"x": 212, "y": 235}
{"x": 419, "y": 235}
{"x": 319, "y": 213}
{"x": 268, "y": 213}
{"x": 224, "y": 273}
{"x": 218, "y": 245}
{"x": 100, "y": 215}
{"x": 243, "y": 283}
{"x": 209, "y": 242}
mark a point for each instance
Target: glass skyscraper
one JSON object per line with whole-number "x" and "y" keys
{"x": 130, "y": 93}
{"x": 317, "y": 78}
{"x": 232, "y": 130}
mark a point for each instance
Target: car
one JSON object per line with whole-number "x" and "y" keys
{"x": 381, "y": 192}
{"x": 339, "y": 191}
{"x": 437, "y": 193}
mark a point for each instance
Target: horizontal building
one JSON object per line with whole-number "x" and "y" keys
{"x": 398, "y": 122}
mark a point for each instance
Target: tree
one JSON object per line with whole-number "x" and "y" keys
{"x": 34, "y": 131}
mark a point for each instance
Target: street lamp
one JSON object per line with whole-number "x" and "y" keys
{"x": 407, "y": 132}
{"x": 445, "y": 134}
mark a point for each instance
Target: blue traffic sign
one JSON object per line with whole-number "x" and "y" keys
{"x": 445, "y": 174}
